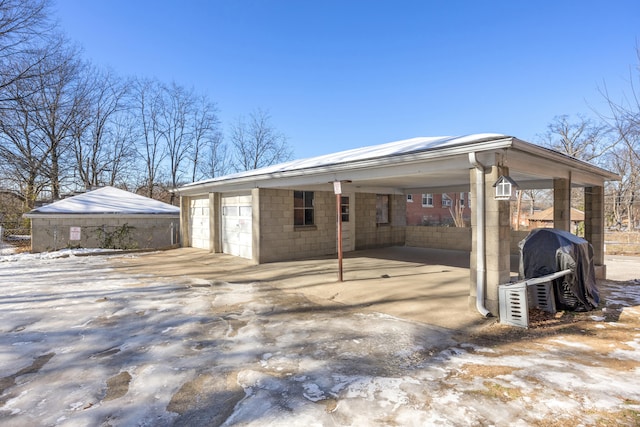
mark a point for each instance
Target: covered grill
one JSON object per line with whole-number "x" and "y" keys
{"x": 547, "y": 250}
{"x": 556, "y": 272}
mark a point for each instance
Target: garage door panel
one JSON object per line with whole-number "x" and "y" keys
{"x": 237, "y": 226}
{"x": 199, "y": 223}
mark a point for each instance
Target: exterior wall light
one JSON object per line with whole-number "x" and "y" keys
{"x": 505, "y": 188}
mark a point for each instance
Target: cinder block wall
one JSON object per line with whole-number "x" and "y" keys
{"x": 142, "y": 232}
{"x": 371, "y": 235}
{"x": 281, "y": 240}
{"x": 454, "y": 238}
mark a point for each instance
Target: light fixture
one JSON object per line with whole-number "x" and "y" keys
{"x": 505, "y": 188}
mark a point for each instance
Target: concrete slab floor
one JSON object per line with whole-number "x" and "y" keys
{"x": 425, "y": 285}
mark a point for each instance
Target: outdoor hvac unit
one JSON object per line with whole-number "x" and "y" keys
{"x": 516, "y": 298}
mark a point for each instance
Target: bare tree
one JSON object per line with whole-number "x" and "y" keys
{"x": 56, "y": 105}
{"x": 176, "y": 112}
{"x": 23, "y": 152}
{"x": 583, "y": 139}
{"x": 216, "y": 159}
{"x": 96, "y": 144}
{"x": 148, "y": 101}
{"x": 208, "y": 153}
{"x": 624, "y": 114}
{"x": 257, "y": 143}
{"x": 36, "y": 123}
{"x": 24, "y": 30}
{"x": 623, "y": 193}
{"x": 624, "y": 119}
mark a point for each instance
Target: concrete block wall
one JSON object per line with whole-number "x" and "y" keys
{"x": 281, "y": 240}
{"x": 454, "y": 238}
{"x": 371, "y": 235}
{"x": 144, "y": 232}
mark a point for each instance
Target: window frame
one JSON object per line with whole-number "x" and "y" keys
{"x": 307, "y": 209}
{"x": 425, "y": 200}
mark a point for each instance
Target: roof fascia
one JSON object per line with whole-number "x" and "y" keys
{"x": 556, "y": 157}
{"x": 348, "y": 170}
{"x": 60, "y": 215}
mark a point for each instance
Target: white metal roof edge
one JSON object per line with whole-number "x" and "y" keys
{"x": 487, "y": 143}
{"x": 125, "y": 215}
{"x": 565, "y": 158}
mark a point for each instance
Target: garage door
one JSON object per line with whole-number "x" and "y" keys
{"x": 236, "y": 226}
{"x": 199, "y": 223}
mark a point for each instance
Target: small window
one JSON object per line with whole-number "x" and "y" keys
{"x": 382, "y": 209}
{"x": 446, "y": 201}
{"x": 410, "y": 198}
{"x": 427, "y": 200}
{"x": 462, "y": 200}
{"x": 303, "y": 208}
{"x": 344, "y": 208}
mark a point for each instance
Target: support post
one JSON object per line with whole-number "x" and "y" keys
{"x": 562, "y": 204}
{"x": 339, "y": 222}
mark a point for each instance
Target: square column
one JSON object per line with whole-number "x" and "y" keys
{"x": 497, "y": 241}
{"x": 562, "y": 204}
{"x": 215, "y": 223}
{"x": 594, "y": 227}
{"x": 185, "y": 231}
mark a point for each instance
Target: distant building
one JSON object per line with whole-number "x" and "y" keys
{"x": 544, "y": 219}
{"x": 438, "y": 209}
{"x": 104, "y": 218}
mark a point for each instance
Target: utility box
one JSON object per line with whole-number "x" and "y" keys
{"x": 517, "y": 298}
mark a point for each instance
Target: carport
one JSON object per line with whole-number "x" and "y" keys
{"x": 471, "y": 163}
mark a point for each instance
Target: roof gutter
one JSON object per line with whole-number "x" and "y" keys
{"x": 481, "y": 269}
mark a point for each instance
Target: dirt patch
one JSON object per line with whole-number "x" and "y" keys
{"x": 117, "y": 386}
{"x": 207, "y": 400}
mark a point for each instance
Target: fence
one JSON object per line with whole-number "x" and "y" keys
{"x": 15, "y": 235}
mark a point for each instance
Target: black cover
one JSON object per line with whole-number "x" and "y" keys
{"x": 548, "y": 250}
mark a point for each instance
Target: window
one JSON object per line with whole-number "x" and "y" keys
{"x": 303, "y": 208}
{"x": 462, "y": 200}
{"x": 446, "y": 201}
{"x": 344, "y": 208}
{"x": 382, "y": 209}
{"x": 410, "y": 198}
{"x": 427, "y": 200}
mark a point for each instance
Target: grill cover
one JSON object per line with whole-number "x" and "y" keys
{"x": 548, "y": 250}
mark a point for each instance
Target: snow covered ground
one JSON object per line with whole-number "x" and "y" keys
{"x": 85, "y": 343}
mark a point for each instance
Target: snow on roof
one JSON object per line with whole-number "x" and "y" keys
{"x": 396, "y": 148}
{"x": 107, "y": 200}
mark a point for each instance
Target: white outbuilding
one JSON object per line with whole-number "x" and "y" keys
{"x": 107, "y": 218}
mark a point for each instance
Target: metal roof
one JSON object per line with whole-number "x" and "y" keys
{"x": 427, "y": 164}
{"x": 106, "y": 200}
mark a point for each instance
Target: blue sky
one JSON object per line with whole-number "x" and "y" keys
{"x": 337, "y": 75}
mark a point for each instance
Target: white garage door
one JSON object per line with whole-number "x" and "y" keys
{"x": 237, "y": 226}
{"x": 199, "y": 223}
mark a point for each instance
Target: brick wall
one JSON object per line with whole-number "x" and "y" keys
{"x": 132, "y": 231}
{"x": 435, "y": 215}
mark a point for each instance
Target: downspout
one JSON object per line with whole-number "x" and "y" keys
{"x": 481, "y": 269}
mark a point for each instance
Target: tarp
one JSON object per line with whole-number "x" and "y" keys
{"x": 548, "y": 250}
